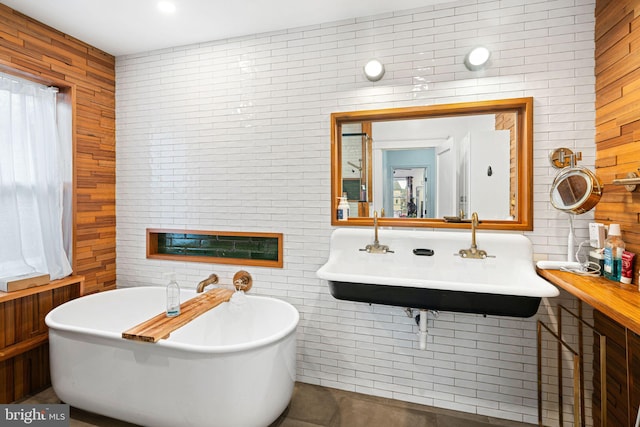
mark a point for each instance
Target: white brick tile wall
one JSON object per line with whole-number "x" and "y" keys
{"x": 234, "y": 135}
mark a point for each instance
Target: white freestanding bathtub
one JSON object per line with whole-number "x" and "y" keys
{"x": 232, "y": 366}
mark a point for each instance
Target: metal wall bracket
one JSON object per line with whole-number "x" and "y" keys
{"x": 631, "y": 182}
{"x": 564, "y": 157}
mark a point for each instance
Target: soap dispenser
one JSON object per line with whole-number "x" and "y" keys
{"x": 173, "y": 296}
{"x": 343, "y": 208}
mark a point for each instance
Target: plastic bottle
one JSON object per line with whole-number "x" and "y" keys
{"x": 173, "y": 297}
{"x": 613, "y": 248}
{"x": 343, "y": 208}
{"x": 363, "y": 193}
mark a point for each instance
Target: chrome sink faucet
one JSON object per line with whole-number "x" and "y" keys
{"x": 211, "y": 280}
{"x": 473, "y": 251}
{"x": 376, "y": 248}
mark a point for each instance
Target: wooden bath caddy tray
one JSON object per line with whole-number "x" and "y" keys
{"x": 160, "y": 326}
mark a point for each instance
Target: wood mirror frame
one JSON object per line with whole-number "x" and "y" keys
{"x": 523, "y": 107}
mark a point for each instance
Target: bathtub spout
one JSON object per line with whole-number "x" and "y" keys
{"x": 211, "y": 280}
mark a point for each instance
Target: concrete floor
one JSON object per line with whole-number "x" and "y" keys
{"x": 315, "y": 406}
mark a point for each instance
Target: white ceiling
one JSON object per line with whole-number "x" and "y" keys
{"x": 122, "y": 27}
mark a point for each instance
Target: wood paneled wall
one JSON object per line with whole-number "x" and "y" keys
{"x": 508, "y": 121}
{"x": 617, "y": 36}
{"x": 86, "y": 77}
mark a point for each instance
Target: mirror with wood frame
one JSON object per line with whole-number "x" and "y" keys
{"x": 416, "y": 166}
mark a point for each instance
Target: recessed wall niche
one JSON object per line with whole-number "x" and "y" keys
{"x": 217, "y": 247}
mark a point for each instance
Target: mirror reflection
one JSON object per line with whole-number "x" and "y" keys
{"x": 420, "y": 166}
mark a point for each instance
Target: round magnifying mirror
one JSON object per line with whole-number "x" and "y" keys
{"x": 576, "y": 190}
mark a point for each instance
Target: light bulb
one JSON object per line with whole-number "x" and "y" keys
{"x": 477, "y": 58}
{"x": 374, "y": 70}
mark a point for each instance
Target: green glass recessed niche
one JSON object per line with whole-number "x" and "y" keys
{"x": 222, "y": 247}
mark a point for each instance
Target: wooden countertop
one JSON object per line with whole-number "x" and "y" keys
{"x": 618, "y": 301}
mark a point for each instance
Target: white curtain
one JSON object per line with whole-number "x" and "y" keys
{"x": 65, "y": 133}
{"x": 32, "y": 175}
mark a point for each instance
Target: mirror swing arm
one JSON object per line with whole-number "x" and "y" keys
{"x": 522, "y": 107}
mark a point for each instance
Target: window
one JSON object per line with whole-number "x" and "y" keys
{"x": 35, "y": 169}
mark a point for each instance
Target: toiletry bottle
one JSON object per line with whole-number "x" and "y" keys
{"x": 173, "y": 297}
{"x": 613, "y": 248}
{"x": 363, "y": 193}
{"x": 627, "y": 267}
{"x": 343, "y": 208}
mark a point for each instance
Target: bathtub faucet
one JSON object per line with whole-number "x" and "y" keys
{"x": 211, "y": 280}
{"x": 242, "y": 281}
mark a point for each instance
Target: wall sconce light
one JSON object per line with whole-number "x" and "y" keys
{"x": 477, "y": 58}
{"x": 374, "y": 70}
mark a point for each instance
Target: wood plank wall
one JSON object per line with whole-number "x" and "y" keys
{"x": 617, "y": 36}
{"x": 508, "y": 121}
{"x": 86, "y": 77}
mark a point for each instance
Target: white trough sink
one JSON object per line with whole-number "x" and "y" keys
{"x": 505, "y": 283}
